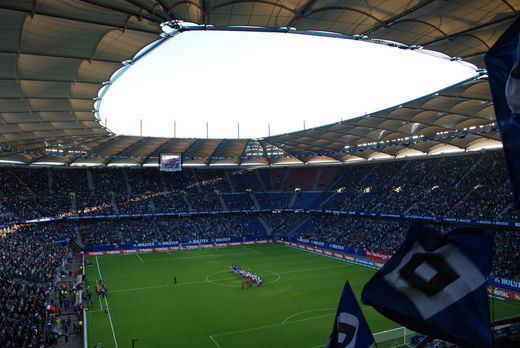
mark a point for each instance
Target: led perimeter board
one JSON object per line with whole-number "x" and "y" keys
{"x": 170, "y": 162}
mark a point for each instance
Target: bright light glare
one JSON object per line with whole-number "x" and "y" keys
{"x": 266, "y": 79}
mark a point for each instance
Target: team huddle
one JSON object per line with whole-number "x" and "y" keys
{"x": 251, "y": 277}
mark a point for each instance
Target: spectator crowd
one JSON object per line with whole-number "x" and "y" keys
{"x": 466, "y": 186}
{"x": 28, "y": 267}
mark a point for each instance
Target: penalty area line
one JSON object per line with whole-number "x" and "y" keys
{"x": 214, "y": 341}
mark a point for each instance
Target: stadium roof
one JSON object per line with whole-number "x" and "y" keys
{"x": 55, "y": 57}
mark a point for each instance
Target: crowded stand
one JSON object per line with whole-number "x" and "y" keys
{"x": 204, "y": 227}
{"x": 274, "y": 200}
{"x": 283, "y": 223}
{"x": 385, "y": 236}
{"x": 382, "y": 236}
{"x": 378, "y": 235}
{"x": 144, "y": 180}
{"x": 207, "y": 180}
{"x": 238, "y": 201}
{"x": 246, "y": 180}
{"x": 455, "y": 186}
{"x": 27, "y": 271}
{"x": 169, "y": 202}
{"x": 506, "y": 261}
{"x": 97, "y": 232}
{"x": 132, "y": 204}
{"x": 204, "y": 201}
{"x": 94, "y": 204}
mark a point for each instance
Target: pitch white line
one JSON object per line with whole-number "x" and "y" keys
{"x": 211, "y": 281}
{"x": 170, "y": 285}
{"x": 218, "y": 345}
{"x": 139, "y": 257}
{"x": 97, "y": 310}
{"x": 285, "y": 322}
{"x": 272, "y": 325}
{"x": 311, "y": 310}
{"x": 246, "y": 330}
{"x": 253, "y": 250}
{"x": 108, "y": 309}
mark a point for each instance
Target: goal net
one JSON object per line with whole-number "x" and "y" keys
{"x": 398, "y": 337}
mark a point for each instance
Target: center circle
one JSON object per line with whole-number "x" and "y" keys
{"x": 235, "y": 276}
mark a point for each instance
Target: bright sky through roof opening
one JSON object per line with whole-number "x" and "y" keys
{"x": 262, "y": 79}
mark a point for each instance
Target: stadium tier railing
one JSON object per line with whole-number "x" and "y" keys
{"x": 483, "y": 222}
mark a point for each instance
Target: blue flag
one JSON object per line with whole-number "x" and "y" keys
{"x": 436, "y": 284}
{"x": 350, "y": 326}
{"x": 500, "y": 60}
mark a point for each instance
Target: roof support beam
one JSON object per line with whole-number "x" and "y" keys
{"x": 148, "y": 9}
{"x": 299, "y": 14}
{"x": 472, "y": 29}
{"x": 25, "y": 97}
{"x": 290, "y": 154}
{"x": 81, "y": 20}
{"x": 62, "y": 56}
{"x": 24, "y": 112}
{"x": 138, "y": 14}
{"x": 40, "y": 143}
{"x": 157, "y": 151}
{"x": 397, "y": 17}
{"x": 51, "y": 80}
{"x": 215, "y": 150}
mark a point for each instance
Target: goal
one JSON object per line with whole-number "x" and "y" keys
{"x": 398, "y": 337}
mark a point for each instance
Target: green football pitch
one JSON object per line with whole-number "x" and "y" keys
{"x": 294, "y": 307}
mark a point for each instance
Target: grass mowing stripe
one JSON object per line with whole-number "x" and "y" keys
{"x": 108, "y": 308}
